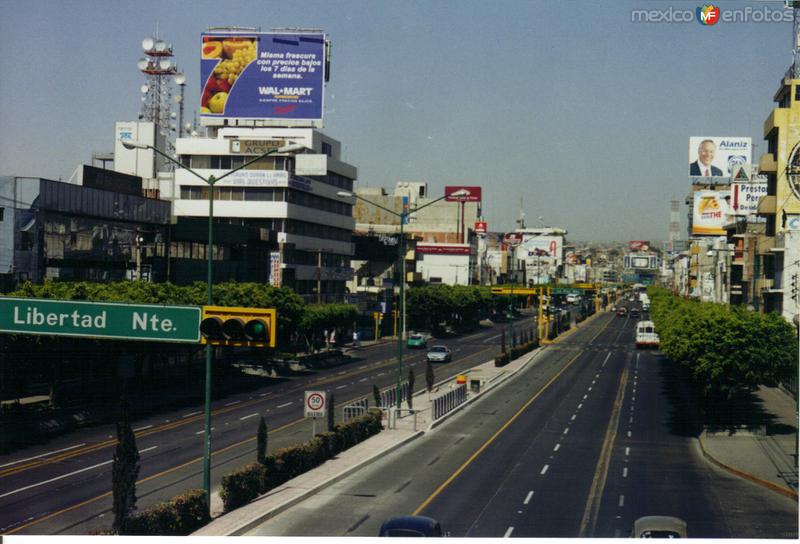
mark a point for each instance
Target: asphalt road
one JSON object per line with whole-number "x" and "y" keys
{"x": 63, "y": 487}
{"x": 590, "y": 436}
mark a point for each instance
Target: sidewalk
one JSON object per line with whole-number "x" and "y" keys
{"x": 766, "y": 457}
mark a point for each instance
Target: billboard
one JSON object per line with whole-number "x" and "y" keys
{"x": 745, "y": 196}
{"x": 473, "y": 196}
{"x": 711, "y": 212}
{"x": 262, "y": 75}
{"x": 537, "y": 245}
{"x": 639, "y": 245}
{"x": 717, "y": 157}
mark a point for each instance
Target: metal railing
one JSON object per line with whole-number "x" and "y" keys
{"x": 449, "y": 401}
{"x": 388, "y": 397}
{"x": 355, "y": 409}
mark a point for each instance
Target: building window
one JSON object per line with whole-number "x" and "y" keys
{"x": 2, "y": 213}
{"x": 796, "y": 93}
{"x": 327, "y": 149}
{"x": 772, "y": 184}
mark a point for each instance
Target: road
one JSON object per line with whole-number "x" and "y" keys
{"x": 590, "y": 436}
{"x": 64, "y": 486}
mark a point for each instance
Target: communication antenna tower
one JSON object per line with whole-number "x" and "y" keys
{"x": 794, "y": 5}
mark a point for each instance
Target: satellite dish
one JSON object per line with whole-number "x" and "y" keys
{"x": 144, "y": 89}
{"x": 187, "y": 126}
{"x": 180, "y": 79}
{"x": 144, "y": 98}
{"x": 142, "y": 64}
{"x": 161, "y": 46}
{"x": 147, "y": 44}
{"x": 164, "y": 64}
{"x": 173, "y": 115}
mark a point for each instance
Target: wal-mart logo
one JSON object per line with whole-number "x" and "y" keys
{"x": 707, "y": 15}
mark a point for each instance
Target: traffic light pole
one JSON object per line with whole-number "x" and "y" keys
{"x": 209, "y": 348}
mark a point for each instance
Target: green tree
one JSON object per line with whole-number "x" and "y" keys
{"x": 261, "y": 441}
{"x": 430, "y": 378}
{"x": 376, "y": 394}
{"x": 331, "y": 401}
{"x": 410, "y": 394}
{"x": 124, "y": 470}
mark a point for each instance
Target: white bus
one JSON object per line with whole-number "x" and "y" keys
{"x": 646, "y": 336}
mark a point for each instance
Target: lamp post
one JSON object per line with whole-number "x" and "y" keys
{"x": 401, "y": 260}
{"x": 211, "y": 181}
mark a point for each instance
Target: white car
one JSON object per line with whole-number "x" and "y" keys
{"x": 439, "y": 354}
{"x": 646, "y": 335}
{"x": 659, "y": 527}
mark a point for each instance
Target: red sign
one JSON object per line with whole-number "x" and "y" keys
{"x": 471, "y": 194}
{"x": 443, "y": 250}
{"x": 639, "y": 245}
{"x": 512, "y": 238}
{"x": 480, "y": 227}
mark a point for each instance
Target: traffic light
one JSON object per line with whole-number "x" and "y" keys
{"x": 233, "y": 326}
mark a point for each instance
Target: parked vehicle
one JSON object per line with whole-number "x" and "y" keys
{"x": 646, "y": 336}
{"x": 417, "y": 341}
{"x": 415, "y": 526}
{"x": 439, "y": 354}
{"x": 659, "y": 527}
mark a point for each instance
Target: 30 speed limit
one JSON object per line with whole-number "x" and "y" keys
{"x": 316, "y": 404}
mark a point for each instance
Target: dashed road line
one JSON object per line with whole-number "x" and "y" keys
{"x": 508, "y": 532}
{"x": 544, "y": 469}
{"x": 233, "y": 403}
{"x": 528, "y": 498}
{"x": 42, "y": 455}
{"x": 248, "y": 416}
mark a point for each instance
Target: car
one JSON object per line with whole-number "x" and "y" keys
{"x": 439, "y": 354}
{"x": 659, "y": 527}
{"x": 573, "y": 299}
{"x": 419, "y": 526}
{"x": 646, "y": 335}
{"x": 417, "y": 341}
{"x": 635, "y": 312}
{"x": 622, "y": 311}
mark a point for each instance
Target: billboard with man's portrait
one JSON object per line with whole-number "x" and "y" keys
{"x": 717, "y": 157}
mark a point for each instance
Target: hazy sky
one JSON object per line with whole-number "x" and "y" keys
{"x": 583, "y": 113}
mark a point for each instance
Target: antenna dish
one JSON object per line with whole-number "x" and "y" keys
{"x": 173, "y": 115}
{"x": 142, "y": 64}
{"x": 147, "y": 44}
{"x": 144, "y": 89}
{"x": 161, "y": 46}
{"x": 164, "y": 64}
{"x": 180, "y": 79}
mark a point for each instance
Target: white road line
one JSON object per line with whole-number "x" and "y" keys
{"x": 629, "y": 434}
{"x": 584, "y": 397}
{"x": 248, "y": 416}
{"x": 342, "y": 372}
{"x": 621, "y": 501}
{"x": 55, "y": 479}
{"x": 566, "y": 430}
{"x": 607, "y": 356}
{"x": 234, "y": 402}
{"x": 528, "y": 498}
{"x": 42, "y": 455}
{"x": 594, "y": 382}
{"x": 633, "y": 398}
{"x": 589, "y": 389}
{"x": 580, "y": 406}
{"x": 151, "y": 448}
{"x": 630, "y": 419}
{"x": 557, "y": 446}
{"x": 284, "y": 405}
{"x": 362, "y": 367}
{"x": 263, "y": 394}
{"x": 190, "y": 414}
{"x": 627, "y": 451}
{"x": 625, "y": 472}
{"x": 597, "y": 375}
{"x": 362, "y": 380}
{"x": 341, "y": 387}
{"x": 508, "y": 532}
{"x": 381, "y": 373}
{"x": 544, "y": 469}
{"x": 142, "y": 428}
{"x": 573, "y": 417}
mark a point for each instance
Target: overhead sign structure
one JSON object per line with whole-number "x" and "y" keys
{"x": 745, "y": 197}
{"x": 148, "y": 322}
{"x": 315, "y": 404}
{"x": 472, "y": 193}
{"x": 263, "y": 75}
{"x": 717, "y": 157}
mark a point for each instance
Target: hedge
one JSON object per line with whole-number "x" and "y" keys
{"x": 248, "y": 482}
{"x": 516, "y": 352}
{"x": 179, "y": 516}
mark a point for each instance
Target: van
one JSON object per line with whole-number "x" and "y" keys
{"x": 646, "y": 336}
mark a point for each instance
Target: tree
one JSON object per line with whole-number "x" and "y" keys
{"x": 410, "y": 394}
{"x": 430, "y": 378}
{"x": 124, "y": 470}
{"x": 503, "y": 340}
{"x": 261, "y": 441}
{"x": 376, "y": 394}
{"x": 331, "y": 404}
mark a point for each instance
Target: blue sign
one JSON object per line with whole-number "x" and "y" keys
{"x": 263, "y": 75}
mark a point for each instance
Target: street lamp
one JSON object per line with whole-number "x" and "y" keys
{"x": 402, "y": 267}
{"x": 291, "y": 147}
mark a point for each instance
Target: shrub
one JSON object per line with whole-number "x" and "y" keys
{"x": 179, "y": 516}
{"x": 242, "y": 485}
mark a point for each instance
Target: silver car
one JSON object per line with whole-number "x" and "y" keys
{"x": 439, "y": 354}
{"x": 659, "y": 527}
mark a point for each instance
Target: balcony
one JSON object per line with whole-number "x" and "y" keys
{"x": 767, "y": 163}
{"x": 767, "y": 205}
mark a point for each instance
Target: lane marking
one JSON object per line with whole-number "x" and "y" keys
{"x": 629, "y": 434}
{"x": 528, "y": 498}
{"x": 285, "y": 405}
{"x": 544, "y": 469}
{"x": 625, "y": 472}
{"x": 566, "y": 430}
{"x": 248, "y": 416}
{"x": 234, "y": 402}
{"x": 151, "y": 448}
{"x": 627, "y": 451}
{"x": 584, "y": 397}
{"x": 341, "y": 387}
{"x": 607, "y": 357}
{"x": 42, "y": 455}
{"x": 589, "y": 520}
{"x": 573, "y": 417}
{"x": 486, "y": 444}
{"x": 51, "y": 480}
{"x": 580, "y": 406}
{"x": 508, "y": 532}
{"x": 142, "y": 428}
{"x": 190, "y": 414}
{"x": 621, "y": 501}
{"x": 557, "y": 446}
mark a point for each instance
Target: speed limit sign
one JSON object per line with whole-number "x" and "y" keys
{"x": 316, "y": 404}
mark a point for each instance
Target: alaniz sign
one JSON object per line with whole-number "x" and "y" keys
{"x": 149, "y": 322}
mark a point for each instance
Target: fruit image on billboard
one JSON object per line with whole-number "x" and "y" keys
{"x": 262, "y": 75}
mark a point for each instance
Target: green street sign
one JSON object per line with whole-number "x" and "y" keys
{"x": 566, "y": 291}
{"x": 149, "y": 322}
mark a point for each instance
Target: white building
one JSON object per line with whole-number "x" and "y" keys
{"x": 291, "y": 195}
